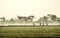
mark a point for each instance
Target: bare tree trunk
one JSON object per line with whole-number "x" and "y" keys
{"x": 2, "y": 23}
{"x": 47, "y": 24}
{"x": 40, "y": 24}
{"x": 43, "y": 24}
{"x": 33, "y": 23}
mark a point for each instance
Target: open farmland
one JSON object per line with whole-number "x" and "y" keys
{"x": 32, "y": 31}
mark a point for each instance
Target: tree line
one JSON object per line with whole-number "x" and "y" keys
{"x": 43, "y": 19}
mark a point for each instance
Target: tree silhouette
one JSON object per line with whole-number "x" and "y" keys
{"x": 45, "y": 20}
{"x": 2, "y": 20}
{"x": 53, "y": 17}
{"x": 12, "y": 20}
{"x": 32, "y": 18}
{"x": 39, "y": 21}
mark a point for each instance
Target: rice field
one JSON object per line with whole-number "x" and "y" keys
{"x": 32, "y": 31}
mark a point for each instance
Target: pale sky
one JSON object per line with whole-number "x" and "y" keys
{"x": 38, "y": 8}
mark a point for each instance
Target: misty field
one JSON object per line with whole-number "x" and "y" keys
{"x": 32, "y": 31}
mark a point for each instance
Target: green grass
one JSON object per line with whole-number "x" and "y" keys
{"x": 37, "y": 31}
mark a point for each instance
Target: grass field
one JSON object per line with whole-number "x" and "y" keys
{"x": 32, "y": 31}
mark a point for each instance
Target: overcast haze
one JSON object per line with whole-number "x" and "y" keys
{"x": 38, "y": 8}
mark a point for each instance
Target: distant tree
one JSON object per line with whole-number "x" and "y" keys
{"x": 58, "y": 20}
{"x": 19, "y": 17}
{"x": 45, "y": 20}
{"x": 53, "y": 17}
{"x": 39, "y": 21}
{"x": 2, "y": 20}
{"x": 12, "y": 20}
{"x": 26, "y": 19}
{"x": 32, "y": 18}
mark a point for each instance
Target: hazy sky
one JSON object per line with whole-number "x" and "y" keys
{"x": 38, "y": 8}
